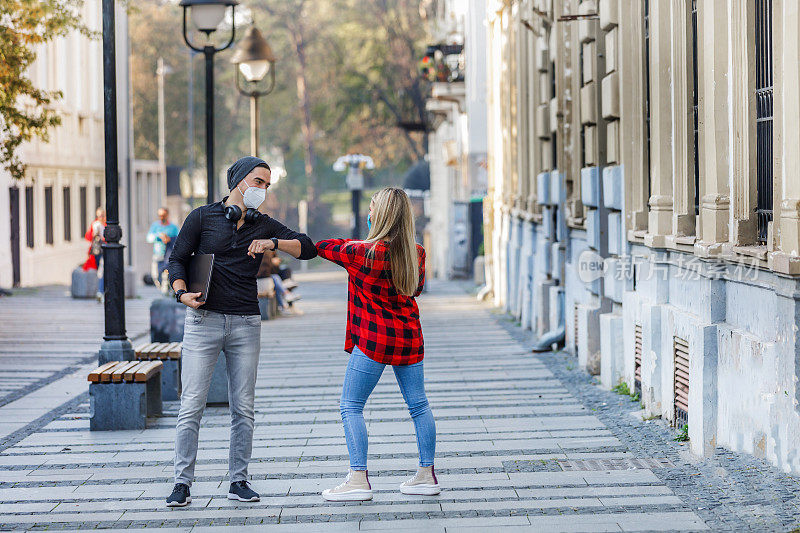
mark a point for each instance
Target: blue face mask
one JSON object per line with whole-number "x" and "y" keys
{"x": 369, "y": 222}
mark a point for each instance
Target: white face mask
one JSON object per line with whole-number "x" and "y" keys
{"x": 253, "y": 197}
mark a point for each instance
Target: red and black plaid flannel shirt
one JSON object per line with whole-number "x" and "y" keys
{"x": 383, "y": 323}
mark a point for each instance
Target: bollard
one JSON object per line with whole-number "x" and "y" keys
{"x": 130, "y": 283}
{"x": 84, "y": 284}
{"x": 166, "y": 320}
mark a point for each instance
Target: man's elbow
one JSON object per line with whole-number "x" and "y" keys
{"x": 308, "y": 250}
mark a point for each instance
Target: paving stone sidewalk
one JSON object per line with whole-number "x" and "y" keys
{"x": 45, "y": 337}
{"x": 523, "y": 443}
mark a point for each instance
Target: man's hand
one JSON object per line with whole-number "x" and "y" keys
{"x": 165, "y": 238}
{"x": 259, "y": 246}
{"x": 190, "y": 299}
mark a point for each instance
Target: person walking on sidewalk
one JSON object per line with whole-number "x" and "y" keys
{"x": 386, "y": 274}
{"x": 227, "y": 318}
{"x": 95, "y": 237}
{"x": 161, "y": 235}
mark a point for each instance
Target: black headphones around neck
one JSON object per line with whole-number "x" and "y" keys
{"x": 233, "y": 213}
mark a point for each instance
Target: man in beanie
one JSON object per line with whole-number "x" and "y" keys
{"x": 227, "y": 318}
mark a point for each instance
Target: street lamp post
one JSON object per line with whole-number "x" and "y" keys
{"x": 254, "y": 59}
{"x": 116, "y": 346}
{"x": 207, "y": 16}
{"x": 354, "y": 164}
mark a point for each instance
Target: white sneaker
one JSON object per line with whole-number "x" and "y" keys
{"x": 422, "y": 484}
{"x": 356, "y": 488}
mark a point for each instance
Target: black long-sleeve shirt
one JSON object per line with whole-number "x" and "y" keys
{"x": 233, "y": 281}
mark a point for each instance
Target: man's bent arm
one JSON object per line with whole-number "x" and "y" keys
{"x": 291, "y": 242}
{"x": 292, "y": 247}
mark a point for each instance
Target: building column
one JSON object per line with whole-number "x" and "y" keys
{"x": 743, "y": 112}
{"x": 683, "y": 157}
{"x": 712, "y": 50}
{"x": 632, "y": 133}
{"x": 661, "y": 170}
{"x": 786, "y": 40}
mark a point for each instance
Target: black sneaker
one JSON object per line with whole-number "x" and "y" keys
{"x": 240, "y": 491}
{"x": 180, "y": 496}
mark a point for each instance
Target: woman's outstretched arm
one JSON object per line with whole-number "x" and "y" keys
{"x": 341, "y": 252}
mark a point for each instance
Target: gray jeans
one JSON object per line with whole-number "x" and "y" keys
{"x": 205, "y": 335}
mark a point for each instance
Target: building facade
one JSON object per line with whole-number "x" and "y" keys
{"x": 457, "y": 134}
{"x": 42, "y": 240}
{"x": 644, "y": 202}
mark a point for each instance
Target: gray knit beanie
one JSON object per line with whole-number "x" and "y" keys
{"x": 242, "y": 167}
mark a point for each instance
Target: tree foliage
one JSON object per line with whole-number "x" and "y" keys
{"x": 346, "y": 73}
{"x": 27, "y": 111}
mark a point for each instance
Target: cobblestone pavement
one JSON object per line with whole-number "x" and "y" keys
{"x": 45, "y": 337}
{"x": 524, "y": 442}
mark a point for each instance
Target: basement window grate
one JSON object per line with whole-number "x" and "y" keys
{"x": 637, "y": 359}
{"x": 601, "y": 465}
{"x": 681, "y": 375}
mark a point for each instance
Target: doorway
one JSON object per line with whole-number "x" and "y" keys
{"x": 13, "y": 193}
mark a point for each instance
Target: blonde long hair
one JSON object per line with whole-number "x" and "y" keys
{"x": 393, "y": 221}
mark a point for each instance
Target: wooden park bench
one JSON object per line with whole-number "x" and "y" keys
{"x": 122, "y": 394}
{"x": 169, "y": 353}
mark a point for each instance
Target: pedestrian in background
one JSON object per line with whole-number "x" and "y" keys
{"x": 95, "y": 236}
{"x": 386, "y": 274}
{"x": 162, "y": 235}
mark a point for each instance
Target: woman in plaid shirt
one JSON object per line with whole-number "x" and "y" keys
{"x": 386, "y": 274}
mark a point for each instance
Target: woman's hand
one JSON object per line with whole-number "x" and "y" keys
{"x": 259, "y": 246}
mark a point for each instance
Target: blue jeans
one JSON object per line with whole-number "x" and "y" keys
{"x": 205, "y": 335}
{"x": 280, "y": 292}
{"x": 359, "y": 380}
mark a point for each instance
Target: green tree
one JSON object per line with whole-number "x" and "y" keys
{"x": 27, "y": 111}
{"x": 345, "y": 74}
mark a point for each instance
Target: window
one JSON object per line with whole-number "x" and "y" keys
{"x": 581, "y": 66}
{"x": 763, "y": 117}
{"x": 29, "y": 216}
{"x": 67, "y": 196}
{"x": 48, "y": 215}
{"x": 647, "y": 86}
{"x": 84, "y": 210}
{"x": 695, "y": 111}
{"x": 98, "y": 197}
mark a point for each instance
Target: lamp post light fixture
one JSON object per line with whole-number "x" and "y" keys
{"x": 206, "y": 16}
{"x": 254, "y": 59}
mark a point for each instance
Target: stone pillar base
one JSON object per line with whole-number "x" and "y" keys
{"x": 115, "y": 350}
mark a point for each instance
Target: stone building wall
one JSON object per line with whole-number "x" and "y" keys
{"x": 594, "y": 160}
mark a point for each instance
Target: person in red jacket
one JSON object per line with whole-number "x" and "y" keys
{"x": 95, "y": 236}
{"x": 386, "y": 274}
